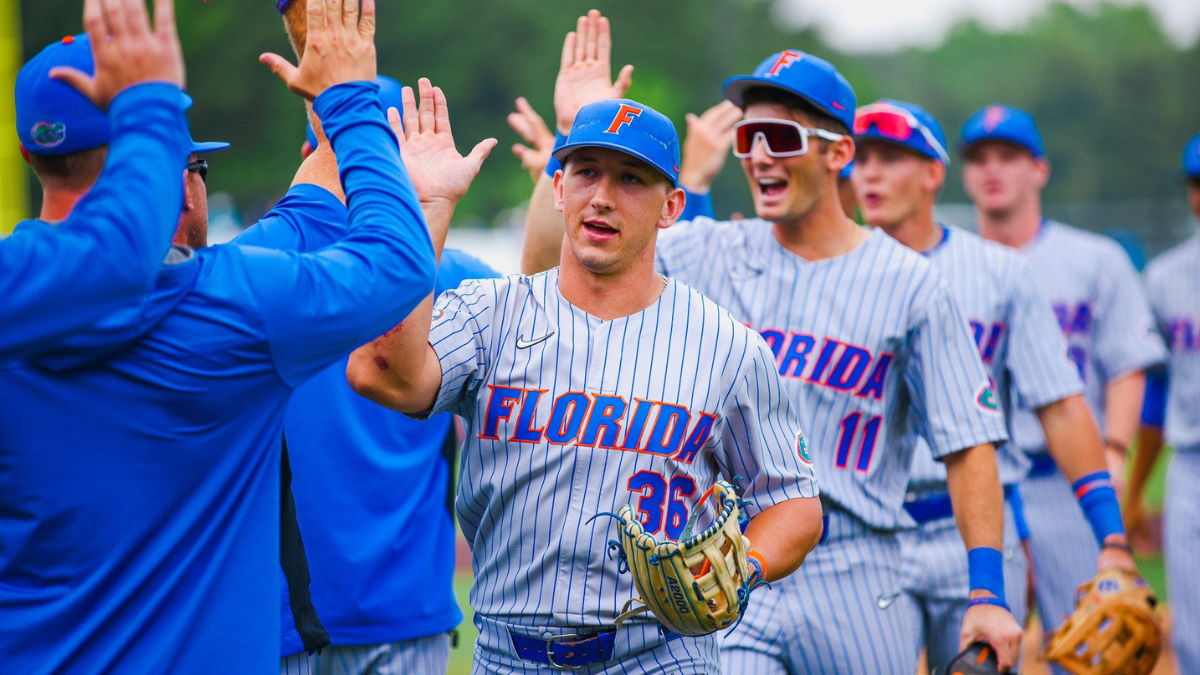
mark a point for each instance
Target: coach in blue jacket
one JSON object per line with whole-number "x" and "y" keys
{"x": 139, "y": 465}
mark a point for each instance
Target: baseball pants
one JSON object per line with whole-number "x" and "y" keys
{"x": 422, "y": 656}
{"x": 1181, "y": 548}
{"x": 639, "y": 648}
{"x": 936, "y": 578}
{"x": 844, "y": 611}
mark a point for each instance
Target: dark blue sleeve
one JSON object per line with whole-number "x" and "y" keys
{"x": 319, "y": 306}
{"x": 1154, "y": 406}
{"x": 456, "y": 267}
{"x": 697, "y": 205}
{"x": 56, "y": 281}
{"x": 308, "y": 218}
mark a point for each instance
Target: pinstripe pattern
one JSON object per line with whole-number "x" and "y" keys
{"x": 525, "y": 507}
{"x": 422, "y": 656}
{"x": 935, "y": 577}
{"x": 1174, "y": 290}
{"x": 1017, "y": 336}
{"x": 924, "y": 374}
{"x": 682, "y": 656}
{"x": 300, "y": 663}
{"x": 1098, "y": 301}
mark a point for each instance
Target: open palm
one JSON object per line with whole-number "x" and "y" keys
{"x": 437, "y": 170}
{"x": 585, "y": 73}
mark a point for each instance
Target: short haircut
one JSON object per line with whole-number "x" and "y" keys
{"x": 295, "y": 22}
{"x": 776, "y": 96}
{"x": 76, "y": 171}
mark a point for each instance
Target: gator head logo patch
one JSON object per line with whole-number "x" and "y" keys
{"x": 438, "y": 313}
{"x": 802, "y": 450}
{"x": 985, "y": 398}
{"x": 49, "y": 134}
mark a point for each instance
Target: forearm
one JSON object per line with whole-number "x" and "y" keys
{"x": 543, "y": 230}
{"x": 1123, "y": 406}
{"x": 106, "y": 255}
{"x": 784, "y": 534}
{"x": 396, "y": 370}
{"x": 973, "y": 480}
{"x": 1149, "y": 448}
{"x": 1072, "y": 437}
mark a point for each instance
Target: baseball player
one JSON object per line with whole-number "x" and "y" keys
{"x": 589, "y": 387}
{"x": 1172, "y": 397}
{"x": 385, "y": 611}
{"x": 805, "y": 277}
{"x": 901, "y": 165}
{"x": 147, "y": 540}
{"x": 100, "y": 256}
{"x": 1098, "y": 301}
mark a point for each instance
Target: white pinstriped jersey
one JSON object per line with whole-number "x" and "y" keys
{"x": 569, "y": 416}
{"x": 1173, "y": 284}
{"x": 860, "y": 341}
{"x": 1017, "y": 336}
{"x": 1098, "y": 300}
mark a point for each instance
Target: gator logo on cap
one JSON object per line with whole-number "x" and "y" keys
{"x": 786, "y": 58}
{"x": 994, "y": 117}
{"x": 49, "y": 134}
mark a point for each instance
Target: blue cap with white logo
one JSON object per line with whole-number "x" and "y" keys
{"x": 1191, "y": 157}
{"x": 389, "y": 96}
{"x": 811, "y": 78}
{"x": 630, "y": 127}
{"x": 904, "y": 124}
{"x": 53, "y": 118}
{"x": 1003, "y": 123}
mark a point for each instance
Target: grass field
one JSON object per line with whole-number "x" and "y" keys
{"x": 1150, "y": 565}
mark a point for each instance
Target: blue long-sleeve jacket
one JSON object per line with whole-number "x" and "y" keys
{"x": 139, "y": 466}
{"x": 57, "y": 280}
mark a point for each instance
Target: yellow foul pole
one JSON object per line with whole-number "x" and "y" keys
{"x": 14, "y": 176}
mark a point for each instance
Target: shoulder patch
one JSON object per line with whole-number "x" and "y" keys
{"x": 985, "y": 398}
{"x": 802, "y": 449}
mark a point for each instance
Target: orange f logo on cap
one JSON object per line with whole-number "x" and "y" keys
{"x": 624, "y": 116}
{"x": 786, "y": 58}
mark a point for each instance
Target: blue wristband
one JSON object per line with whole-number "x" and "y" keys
{"x": 985, "y": 567}
{"x": 988, "y": 600}
{"x": 1098, "y": 500}
{"x": 552, "y": 166}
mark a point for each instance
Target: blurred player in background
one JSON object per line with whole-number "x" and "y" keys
{"x": 1098, "y": 300}
{"x": 901, "y": 165}
{"x": 863, "y": 331}
{"x": 1173, "y": 397}
{"x": 108, "y": 158}
{"x": 149, "y": 539}
{"x": 607, "y": 340}
{"x": 376, "y": 515}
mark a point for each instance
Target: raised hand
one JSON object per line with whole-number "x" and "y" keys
{"x": 126, "y": 49}
{"x": 530, "y": 125}
{"x": 341, "y": 48}
{"x": 585, "y": 73}
{"x": 439, "y": 173}
{"x": 706, "y": 147}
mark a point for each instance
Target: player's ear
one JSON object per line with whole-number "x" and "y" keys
{"x": 935, "y": 176}
{"x": 1043, "y": 172}
{"x": 841, "y": 152}
{"x": 672, "y": 208}
{"x": 558, "y": 190}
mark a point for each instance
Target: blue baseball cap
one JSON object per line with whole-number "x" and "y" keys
{"x": 1191, "y": 157}
{"x": 1003, "y": 123}
{"x": 389, "y": 96}
{"x": 628, "y": 126}
{"x": 902, "y": 123}
{"x": 847, "y": 171}
{"x": 811, "y": 78}
{"x": 281, "y": 5}
{"x": 53, "y": 118}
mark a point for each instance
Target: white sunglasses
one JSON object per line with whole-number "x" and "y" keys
{"x": 780, "y": 138}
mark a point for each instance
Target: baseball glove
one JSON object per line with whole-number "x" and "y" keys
{"x": 1113, "y": 630}
{"x": 696, "y": 586}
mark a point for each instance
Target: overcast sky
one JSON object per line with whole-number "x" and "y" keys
{"x": 885, "y": 25}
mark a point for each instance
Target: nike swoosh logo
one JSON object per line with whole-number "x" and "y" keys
{"x": 885, "y": 601}
{"x": 752, "y": 274}
{"x": 522, "y": 343}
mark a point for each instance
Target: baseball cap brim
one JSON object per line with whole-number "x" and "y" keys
{"x": 562, "y": 152}
{"x": 210, "y": 146}
{"x": 735, "y": 89}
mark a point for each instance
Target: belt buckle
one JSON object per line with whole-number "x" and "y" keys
{"x": 550, "y": 651}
